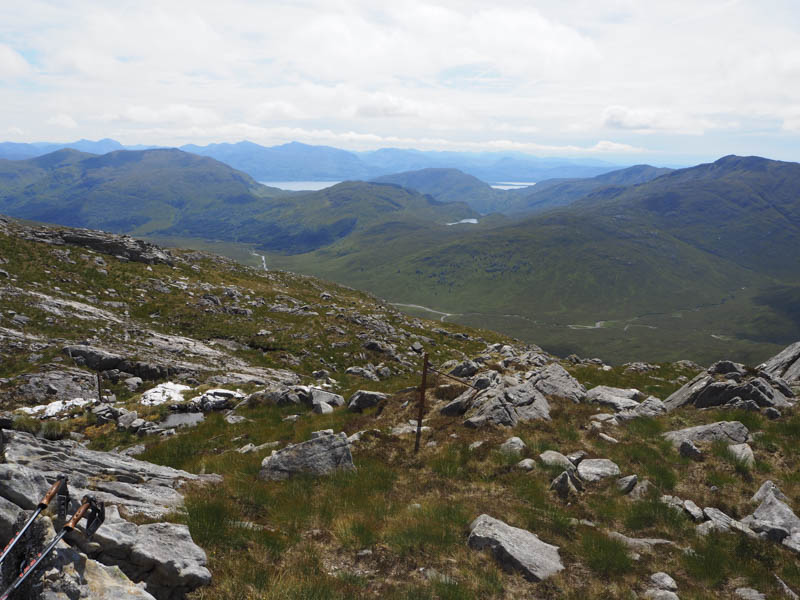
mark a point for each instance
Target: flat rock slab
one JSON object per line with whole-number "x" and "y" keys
{"x": 139, "y": 487}
{"x": 319, "y": 456}
{"x": 732, "y": 432}
{"x": 595, "y": 469}
{"x": 515, "y": 549}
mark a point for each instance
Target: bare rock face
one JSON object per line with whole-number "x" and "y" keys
{"x": 515, "y": 549}
{"x": 319, "y": 456}
{"x": 553, "y": 381}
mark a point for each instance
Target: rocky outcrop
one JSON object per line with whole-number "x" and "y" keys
{"x": 785, "y": 364}
{"x": 99, "y": 359}
{"x": 727, "y": 384}
{"x": 137, "y": 487}
{"x": 318, "y": 456}
{"x": 121, "y": 246}
{"x": 515, "y": 549}
{"x": 554, "y": 382}
{"x": 162, "y": 556}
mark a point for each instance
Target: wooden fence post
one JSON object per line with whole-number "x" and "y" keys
{"x": 421, "y": 411}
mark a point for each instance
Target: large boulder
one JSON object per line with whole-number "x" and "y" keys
{"x": 364, "y": 399}
{"x": 319, "y": 456}
{"x": 515, "y": 549}
{"x": 732, "y": 432}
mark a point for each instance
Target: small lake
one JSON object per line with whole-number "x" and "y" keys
{"x": 300, "y": 186}
{"x": 512, "y": 185}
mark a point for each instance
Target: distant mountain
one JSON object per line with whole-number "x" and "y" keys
{"x": 17, "y": 151}
{"x": 176, "y": 193}
{"x": 554, "y": 193}
{"x": 288, "y": 162}
{"x": 302, "y": 162}
{"x": 123, "y": 191}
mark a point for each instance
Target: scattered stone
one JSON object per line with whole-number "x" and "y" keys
{"x": 626, "y": 484}
{"x": 607, "y": 438}
{"x": 466, "y": 369}
{"x": 565, "y": 485}
{"x": 663, "y": 582}
{"x": 551, "y": 458}
{"x": 164, "y": 393}
{"x": 657, "y": 594}
{"x": 595, "y": 469}
{"x": 787, "y": 591}
{"x": 642, "y": 490}
{"x": 319, "y": 456}
{"x": 364, "y": 399}
{"x": 617, "y": 398}
{"x": 687, "y": 449}
{"x": 772, "y": 413}
{"x": 323, "y": 408}
{"x": 515, "y": 549}
{"x": 749, "y": 594}
{"x": 694, "y": 511}
{"x": 513, "y": 445}
{"x": 743, "y": 454}
{"x": 526, "y": 464}
{"x": 235, "y": 419}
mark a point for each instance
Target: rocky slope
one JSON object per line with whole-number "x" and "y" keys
{"x": 252, "y": 435}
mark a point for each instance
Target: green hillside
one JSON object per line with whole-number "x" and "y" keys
{"x": 554, "y": 193}
{"x": 693, "y": 255}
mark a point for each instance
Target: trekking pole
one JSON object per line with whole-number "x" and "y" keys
{"x": 58, "y": 491}
{"x": 95, "y": 513}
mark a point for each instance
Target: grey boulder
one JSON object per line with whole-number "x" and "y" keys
{"x": 319, "y": 456}
{"x": 515, "y": 549}
{"x": 595, "y": 469}
{"x": 364, "y": 399}
{"x": 732, "y": 432}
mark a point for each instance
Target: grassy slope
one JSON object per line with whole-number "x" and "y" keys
{"x": 411, "y": 512}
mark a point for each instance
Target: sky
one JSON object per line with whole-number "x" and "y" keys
{"x": 662, "y": 81}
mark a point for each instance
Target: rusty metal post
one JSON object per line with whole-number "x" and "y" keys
{"x": 421, "y": 411}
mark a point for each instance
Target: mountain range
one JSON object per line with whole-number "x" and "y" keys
{"x": 637, "y": 262}
{"x": 302, "y": 162}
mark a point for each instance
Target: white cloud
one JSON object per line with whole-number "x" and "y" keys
{"x": 533, "y": 75}
{"x": 11, "y": 63}
{"x": 63, "y": 120}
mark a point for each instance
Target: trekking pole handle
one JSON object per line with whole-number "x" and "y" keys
{"x": 73, "y": 522}
{"x": 51, "y": 493}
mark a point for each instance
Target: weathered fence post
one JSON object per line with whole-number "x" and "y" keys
{"x": 421, "y": 411}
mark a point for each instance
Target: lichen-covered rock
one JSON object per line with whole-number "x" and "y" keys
{"x": 515, "y": 549}
{"x": 319, "y": 456}
{"x": 555, "y": 382}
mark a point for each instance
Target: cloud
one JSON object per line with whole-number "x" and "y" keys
{"x": 63, "y": 120}
{"x": 542, "y": 77}
{"x": 12, "y": 64}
